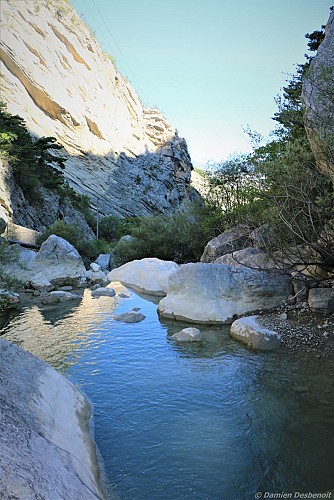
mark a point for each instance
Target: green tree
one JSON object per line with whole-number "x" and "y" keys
{"x": 33, "y": 162}
{"x": 286, "y": 190}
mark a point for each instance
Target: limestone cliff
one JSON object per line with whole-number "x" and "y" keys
{"x": 55, "y": 75}
{"x": 318, "y": 92}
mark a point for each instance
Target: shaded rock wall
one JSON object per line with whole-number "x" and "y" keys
{"x": 128, "y": 159}
{"x": 42, "y": 213}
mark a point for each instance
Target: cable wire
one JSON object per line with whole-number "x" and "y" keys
{"x": 116, "y": 44}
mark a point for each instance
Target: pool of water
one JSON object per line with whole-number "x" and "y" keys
{"x": 206, "y": 421}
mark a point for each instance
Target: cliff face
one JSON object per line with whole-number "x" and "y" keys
{"x": 318, "y": 93}
{"x": 55, "y": 75}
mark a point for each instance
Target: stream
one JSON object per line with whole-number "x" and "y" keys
{"x": 210, "y": 420}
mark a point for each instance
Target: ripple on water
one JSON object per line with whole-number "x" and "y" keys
{"x": 205, "y": 421}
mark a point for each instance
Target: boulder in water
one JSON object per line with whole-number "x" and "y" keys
{"x": 250, "y": 331}
{"x": 148, "y": 275}
{"x": 216, "y": 293}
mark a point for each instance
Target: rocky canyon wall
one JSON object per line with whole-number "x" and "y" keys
{"x": 318, "y": 91}
{"x": 54, "y": 74}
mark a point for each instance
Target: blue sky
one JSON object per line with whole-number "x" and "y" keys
{"x": 213, "y": 67}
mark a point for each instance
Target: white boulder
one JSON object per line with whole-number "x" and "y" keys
{"x": 96, "y": 276}
{"x": 148, "y": 275}
{"x": 103, "y": 261}
{"x": 20, "y": 262}
{"x": 59, "y": 261}
{"x": 216, "y": 293}
{"x": 188, "y": 335}
{"x": 250, "y": 331}
{"x": 95, "y": 267}
{"x": 40, "y": 282}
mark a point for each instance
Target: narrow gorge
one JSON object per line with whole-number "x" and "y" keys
{"x": 127, "y": 158}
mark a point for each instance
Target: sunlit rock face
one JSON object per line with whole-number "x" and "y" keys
{"x": 318, "y": 91}
{"x": 128, "y": 159}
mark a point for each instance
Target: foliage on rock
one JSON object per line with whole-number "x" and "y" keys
{"x": 37, "y": 165}
{"x": 35, "y": 162}
{"x": 279, "y": 183}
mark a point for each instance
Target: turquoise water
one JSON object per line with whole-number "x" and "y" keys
{"x": 203, "y": 421}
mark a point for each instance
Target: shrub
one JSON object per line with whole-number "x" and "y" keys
{"x": 112, "y": 228}
{"x": 70, "y": 233}
{"x": 91, "y": 249}
{"x": 181, "y": 237}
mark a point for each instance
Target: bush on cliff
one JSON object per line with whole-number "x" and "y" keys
{"x": 112, "y": 228}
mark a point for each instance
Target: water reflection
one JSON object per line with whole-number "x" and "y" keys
{"x": 55, "y": 332}
{"x": 178, "y": 421}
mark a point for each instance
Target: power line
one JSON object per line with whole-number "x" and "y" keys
{"x": 113, "y": 38}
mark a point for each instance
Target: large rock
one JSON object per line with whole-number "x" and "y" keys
{"x": 216, "y": 293}
{"x": 317, "y": 95}
{"x": 228, "y": 242}
{"x": 46, "y": 450}
{"x": 59, "y": 261}
{"x": 103, "y": 261}
{"x": 40, "y": 282}
{"x": 21, "y": 234}
{"x": 321, "y": 300}
{"x": 148, "y": 275}
{"x": 250, "y": 331}
{"x": 247, "y": 257}
{"x": 20, "y": 264}
{"x": 262, "y": 236}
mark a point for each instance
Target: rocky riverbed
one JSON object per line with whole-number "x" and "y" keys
{"x": 302, "y": 329}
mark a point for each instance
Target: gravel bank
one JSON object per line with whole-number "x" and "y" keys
{"x": 302, "y": 329}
